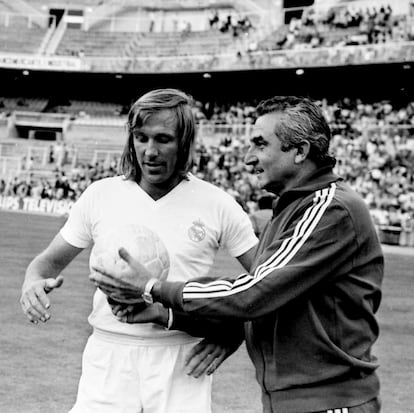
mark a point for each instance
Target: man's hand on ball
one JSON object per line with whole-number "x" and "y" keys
{"x": 127, "y": 284}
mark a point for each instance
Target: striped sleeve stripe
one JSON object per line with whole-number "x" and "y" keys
{"x": 298, "y": 234}
{"x": 302, "y": 232}
{"x": 279, "y": 259}
{"x": 241, "y": 279}
{"x": 215, "y": 282}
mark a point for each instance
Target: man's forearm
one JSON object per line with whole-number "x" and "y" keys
{"x": 39, "y": 269}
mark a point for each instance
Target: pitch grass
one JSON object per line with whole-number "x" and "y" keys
{"x": 40, "y": 365}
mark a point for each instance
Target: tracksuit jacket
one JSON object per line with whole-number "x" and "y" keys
{"x": 309, "y": 300}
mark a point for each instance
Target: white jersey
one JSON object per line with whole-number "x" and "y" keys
{"x": 193, "y": 220}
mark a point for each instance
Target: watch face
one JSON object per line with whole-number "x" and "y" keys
{"x": 147, "y": 297}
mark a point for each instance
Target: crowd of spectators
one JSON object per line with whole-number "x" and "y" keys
{"x": 373, "y": 144}
{"x": 342, "y": 26}
{"x": 321, "y": 36}
{"x": 342, "y": 35}
{"x": 237, "y": 25}
{"x": 61, "y": 183}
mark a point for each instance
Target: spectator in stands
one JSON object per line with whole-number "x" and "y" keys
{"x": 22, "y": 102}
{"x": 152, "y": 21}
{"x": 60, "y": 153}
{"x": 51, "y": 154}
{"x": 315, "y": 286}
{"x": 214, "y": 20}
{"x": 407, "y": 230}
{"x": 226, "y": 24}
{"x": 192, "y": 218}
{"x": 318, "y": 29}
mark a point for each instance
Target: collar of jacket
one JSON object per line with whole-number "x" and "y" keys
{"x": 318, "y": 179}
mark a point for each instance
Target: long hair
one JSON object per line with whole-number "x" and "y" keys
{"x": 152, "y": 102}
{"x": 302, "y": 119}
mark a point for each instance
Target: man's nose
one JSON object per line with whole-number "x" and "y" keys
{"x": 151, "y": 148}
{"x": 250, "y": 158}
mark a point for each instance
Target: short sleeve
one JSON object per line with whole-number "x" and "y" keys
{"x": 77, "y": 229}
{"x": 238, "y": 235}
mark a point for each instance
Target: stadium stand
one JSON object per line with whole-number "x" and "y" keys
{"x": 10, "y": 104}
{"x": 344, "y": 26}
{"x": 139, "y": 39}
{"x": 372, "y": 142}
{"x": 54, "y": 143}
{"x": 21, "y": 33}
{"x": 132, "y": 44}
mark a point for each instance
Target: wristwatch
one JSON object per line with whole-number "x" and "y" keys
{"x": 146, "y": 295}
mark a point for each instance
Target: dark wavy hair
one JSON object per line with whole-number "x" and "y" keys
{"x": 152, "y": 102}
{"x": 302, "y": 119}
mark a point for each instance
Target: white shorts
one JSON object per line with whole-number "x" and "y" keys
{"x": 130, "y": 378}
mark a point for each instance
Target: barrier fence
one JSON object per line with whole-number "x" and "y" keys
{"x": 390, "y": 235}
{"x": 392, "y": 52}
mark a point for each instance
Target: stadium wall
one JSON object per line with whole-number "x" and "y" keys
{"x": 31, "y": 205}
{"x": 388, "y": 235}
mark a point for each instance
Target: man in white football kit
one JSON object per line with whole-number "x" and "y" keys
{"x": 141, "y": 368}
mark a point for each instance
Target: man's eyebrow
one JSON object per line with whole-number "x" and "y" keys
{"x": 163, "y": 134}
{"x": 257, "y": 138}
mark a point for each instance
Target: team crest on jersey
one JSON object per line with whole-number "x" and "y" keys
{"x": 197, "y": 231}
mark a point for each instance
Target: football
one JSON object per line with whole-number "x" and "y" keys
{"x": 141, "y": 242}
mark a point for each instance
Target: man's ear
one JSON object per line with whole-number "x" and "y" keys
{"x": 302, "y": 152}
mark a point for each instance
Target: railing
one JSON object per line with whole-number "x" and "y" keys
{"x": 392, "y": 52}
{"x": 107, "y": 156}
{"x": 213, "y": 132}
{"x": 163, "y": 4}
{"x": 36, "y": 155}
{"x": 10, "y": 166}
{"x": 7, "y": 149}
